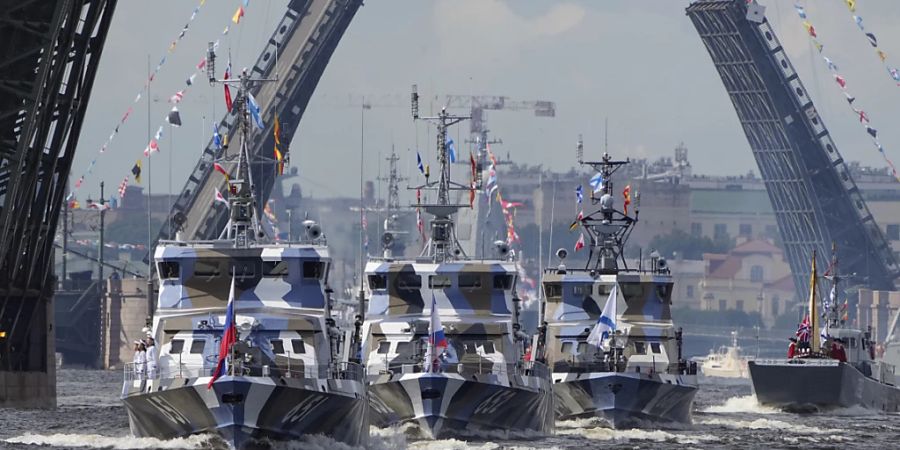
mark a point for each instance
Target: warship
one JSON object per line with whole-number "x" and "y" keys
{"x": 633, "y": 374}
{"x": 444, "y": 349}
{"x": 248, "y": 349}
{"x": 833, "y": 365}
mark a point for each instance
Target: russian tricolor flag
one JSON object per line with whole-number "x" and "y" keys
{"x": 228, "y": 339}
{"x": 436, "y": 338}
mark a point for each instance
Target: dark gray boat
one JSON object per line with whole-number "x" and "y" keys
{"x": 635, "y": 375}
{"x": 835, "y": 366}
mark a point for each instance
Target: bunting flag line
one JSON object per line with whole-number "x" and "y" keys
{"x": 451, "y": 149}
{"x": 579, "y": 194}
{"x": 122, "y": 187}
{"x": 140, "y": 95}
{"x": 174, "y": 117}
{"x": 237, "y": 15}
{"x": 217, "y": 138}
{"x": 255, "y": 112}
{"x": 842, "y": 82}
{"x": 626, "y": 194}
{"x": 220, "y": 198}
{"x": 579, "y": 244}
{"x": 419, "y": 163}
{"x": 577, "y": 221}
{"x": 227, "y": 90}
{"x": 873, "y": 41}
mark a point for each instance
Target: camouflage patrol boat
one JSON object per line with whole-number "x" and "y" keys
{"x": 632, "y": 374}
{"x": 283, "y": 371}
{"x": 482, "y": 382}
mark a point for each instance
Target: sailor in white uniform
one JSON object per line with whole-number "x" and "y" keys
{"x": 152, "y": 357}
{"x": 140, "y": 360}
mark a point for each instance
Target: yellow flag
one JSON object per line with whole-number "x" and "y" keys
{"x": 882, "y": 55}
{"x": 851, "y": 4}
{"x": 238, "y": 14}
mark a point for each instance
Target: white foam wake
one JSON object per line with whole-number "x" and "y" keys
{"x": 767, "y": 424}
{"x": 113, "y": 442}
{"x": 744, "y": 404}
{"x": 588, "y": 428}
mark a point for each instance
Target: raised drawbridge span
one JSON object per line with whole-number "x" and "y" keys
{"x": 815, "y": 200}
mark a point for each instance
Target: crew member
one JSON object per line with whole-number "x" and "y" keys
{"x": 140, "y": 359}
{"x": 528, "y": 354}
{"x": 152, "y": 358}
{"x": 792, "y": 347}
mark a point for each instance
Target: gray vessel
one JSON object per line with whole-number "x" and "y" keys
{"x": 835, "y": 365}
{"x": 248, "y": 349}
{"x": 444, "y": 349}
{"x": 634, "y": 375}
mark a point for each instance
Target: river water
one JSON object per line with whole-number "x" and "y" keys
{"x": 726, "y": 416}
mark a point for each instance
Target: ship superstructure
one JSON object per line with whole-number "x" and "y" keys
{"x": 287, "y": 375}
{"x": 481, "y": 380}
{"x": 635, "y": 376}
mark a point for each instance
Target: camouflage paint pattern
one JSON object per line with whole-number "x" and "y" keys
{"x": 279, "y": 298}
{"x": 484, "y": 384}
{"x": 648, "y": 383}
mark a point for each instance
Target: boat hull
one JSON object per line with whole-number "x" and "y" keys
{"x": 803, "y": 386}
{"x": 245, "y": 411}
{"x": 445, "y": 405}
{"x": 625, "y": 400}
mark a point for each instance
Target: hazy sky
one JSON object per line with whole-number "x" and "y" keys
{"x": 639, "y": 63}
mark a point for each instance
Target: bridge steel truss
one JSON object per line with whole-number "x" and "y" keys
{"x": 49, "y": 54}
{"x": 815, "y": 199}
{"x": 305, "y": 39}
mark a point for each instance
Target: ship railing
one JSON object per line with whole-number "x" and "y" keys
{"x": 337, "y": 371}
{"x": 821, "y": 362}
{"x": 469, "y": 369}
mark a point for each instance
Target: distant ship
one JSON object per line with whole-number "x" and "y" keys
{"x": 633, "y": 375}
{"x": 444, "y": 348}
{"x": 833, "y": 366}
{"x": 286, "y": 375}
{"x": 726, "y": 362}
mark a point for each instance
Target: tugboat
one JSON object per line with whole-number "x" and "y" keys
{"x": 627, "y": 368}
{"x": 833, "y": 366}
{"x": 248, "y": 349}
{"x": 444, "y": 349}
{"x": 727, "y": 362}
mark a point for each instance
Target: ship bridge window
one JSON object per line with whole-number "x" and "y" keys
{"x": 654, "y": 347}
{"x": 439, "y": 281}
{"x": 176, "y": 346}
{"x": 504, "y": 282}
{"x": 581, "y": 290}
{"x": 469, "y": 281}
{"x": 640, "y": 348}
{"x": 553, "y": 290}
{"x": 566, "y": 347}
{"x": 664, "y": 292}
{"x": 277, "y": 346}
{"x": 377, "y": 282}
{"x": 853, "y": 342}
{"x": 582, "y": 348}
{"x": 243, "y": 269}
{"x": 404, "y": 348}
{"x": 603, "y": 290}
{"x": 168, "y": 269}
{"x": 207, "y": 268}
{"x": 313, "y": 270}
{"x": 298, "y": 346}
{"x": 406, "y": 281}
{"x": 384, "y": 347}
{"x": 197, "y": 346}
{"x": 275, "y": 268}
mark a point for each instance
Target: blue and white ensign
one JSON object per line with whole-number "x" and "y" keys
{"x": 607, "y": 322}
{"x": 597, "y": 182}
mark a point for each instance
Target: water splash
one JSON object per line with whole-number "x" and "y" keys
{"x": 743, "y": 404}
{"x": 588, "y": 428}
{"x": 767, "y": 424}
{"x": 110, "y": 442}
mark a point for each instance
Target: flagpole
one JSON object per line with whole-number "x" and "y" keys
{"x": 149, "y": 191}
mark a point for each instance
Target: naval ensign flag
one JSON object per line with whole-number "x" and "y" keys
{"x": 229, "y": 337}
{"x": 607, "y": 322}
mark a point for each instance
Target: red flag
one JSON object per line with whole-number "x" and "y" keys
{"x": 627, "y": 194}
{"x": 221, "y": 170}
{"x": 227, "y": 90}
{"x": 229, "y": 337}
{"x": 579, "y": 244}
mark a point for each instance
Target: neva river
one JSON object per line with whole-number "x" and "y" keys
{"x": 725, "y": 416}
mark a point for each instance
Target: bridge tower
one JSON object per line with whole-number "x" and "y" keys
{"x": 49, "y": 56}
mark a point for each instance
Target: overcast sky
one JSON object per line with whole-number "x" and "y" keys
{"x": 639, "y": 63}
